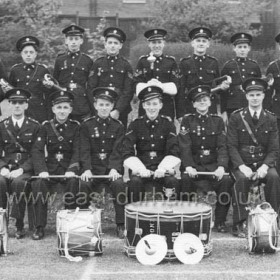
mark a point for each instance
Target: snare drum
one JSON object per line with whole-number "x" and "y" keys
{"x": 82, "y": 229}
{"x": 169, "y": 219}
{"x": 262, "y": 229}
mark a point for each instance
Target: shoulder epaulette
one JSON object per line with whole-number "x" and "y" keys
{"x": 30, "y": 119}
{"x": 45, "y": 122}
{"x": 99, "y": 58}
{"x": 269, "y": 112}
{"x": 74, "y": 121}
{"x": 16, "y": 65}
{"x": 238, "y": 110}
{"x": 214, "y": 115}
{"x": 185, "y": 58}
{"x": 253, "y": 60}
{"x": 189, "y": 114}
{"x": 61, "y": 53}
{"x": 85, "y": 54}
{"x": 118, "y": 121}
{"x": 170, "y": 56}
{"x": 143, "y": 56}
{"x": 166, "y": 117}
{"x": 43, "y": 65}
{"x": 89, "y": 118}
{"x": 212, "y": 57}
{"x": 272, "y": 62}
{"x": 4, "y": 119}
{"x": 227, "y": 62}
{"x": 139, "y": 118}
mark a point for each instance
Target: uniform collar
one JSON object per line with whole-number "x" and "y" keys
{"x": 73, "y": 54}
{"x": 151, "y": 122}
{"x": 29, "y": 66}
{"x": 60, "y": 125}
{"x": 159, "y": 57}
{"x": 252, "y": 112}
{"x": 19, "y": 122}
{"x": 103, "y": 121}
{"x": 199, "y": 57}
{"x": 202, "y": 117}
{"x": 241, "y": 59}
{"x": 113, "y": 57}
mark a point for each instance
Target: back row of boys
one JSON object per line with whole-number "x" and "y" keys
{"x": 76, "y": 71}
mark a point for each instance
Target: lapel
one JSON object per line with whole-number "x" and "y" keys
{"x": 248, "y": 118}
{"x": 262, "y": 118}
{"x": 24, "y": 126}
{"x": 10, "y": 126}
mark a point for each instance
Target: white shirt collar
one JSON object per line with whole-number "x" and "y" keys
{"x": 20, "y": 121}
{"x": 252, "y": 112}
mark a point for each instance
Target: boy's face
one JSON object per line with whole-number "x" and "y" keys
{"x": 242, "y": 50}
{"x": 62, "y": 111}
{"x": 156, "y": 47}
{"x": 200, "y": 45}
{"x": 103, "y": 107}
{"x": 152, "y": 108}
{"x": 73, "y": 43}
{"x": 28, "y": 54}
{"x": 112, "y": 46}
{"x": 202, "y": 104}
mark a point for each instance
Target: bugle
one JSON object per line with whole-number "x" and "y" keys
{"x": 48, "y": 78}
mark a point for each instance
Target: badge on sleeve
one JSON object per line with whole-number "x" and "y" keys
{"x": 184, "y": 131}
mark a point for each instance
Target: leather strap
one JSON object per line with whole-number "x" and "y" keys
{"x": 59, "y": 137}
{"x": 18, "y": 145}
{"x": 249, "y": 129}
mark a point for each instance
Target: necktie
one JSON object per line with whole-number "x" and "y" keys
{"x": 255, "y": 118}
{"x": 17, "y": 128}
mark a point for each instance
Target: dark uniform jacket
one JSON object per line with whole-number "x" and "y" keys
{"x": 150, "y": 140}
{"x": 202, "y": 142}
{"x": 273, "y": 95}
{"x": 101, "y": 144}
{"x": 30, "y": 77}
{"x": 114, "y": 71}
{"x": 62, "y": 147}
{"x": 72, "y": 70}
{"x": 239, "y": 69}
{"x": 196, "y": 70}
{"x": 16, "y": 150}
{"x": 165, "y": 70}
{"x": 242, "y": 149}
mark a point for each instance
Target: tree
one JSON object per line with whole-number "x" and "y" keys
{"x": 223, "y": 17}
{"x": 31, "y": 17}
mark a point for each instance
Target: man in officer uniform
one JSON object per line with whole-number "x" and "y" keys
{"x": 113, "y": 70}
{"x": 150, "y": 149}
{"x": 239, "y": 69}
{"x": 100, "y": 148}
{"x": 30, "y": 75}
{"x": 253, "y": 149}
{"x": 160, "y": 69}
{"x": 72, "y": 69}
{"x": 202, "y": 142}
{"x": 17, "y": 136}
{"x": 60, "y": 138}
{"x": 198, "y": 69}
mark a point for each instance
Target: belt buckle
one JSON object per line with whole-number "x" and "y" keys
{"x": 206, "y": 152}
{"x": 153, "y": 154}
{"x": 252, "y": 149}
{"x": 59, "y": 156}
{"x": 72, "y": 85}
{"x": 102, "y": 156}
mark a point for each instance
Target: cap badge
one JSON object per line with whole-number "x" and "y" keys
{"x": 62, "y": 93}
{"x": 201, "y": 31}
{"x": 73, "y": 28}
{"x": 115, "y": 31}
{"x": 253, "y": 82}
{"x": 199, "y": 90}
{"x": 155, "y": 32}
{"x": 149, "y": 89}
{"x": 27, "y": 39}
{"x": 18, "y": 92}
{"x": 107, "y": 92}
{"x": 242, "y": 35}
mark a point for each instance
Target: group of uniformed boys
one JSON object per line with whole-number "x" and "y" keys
{"x": 74, "y": 123}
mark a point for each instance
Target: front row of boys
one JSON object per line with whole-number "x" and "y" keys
{"x": 150, "y": 148}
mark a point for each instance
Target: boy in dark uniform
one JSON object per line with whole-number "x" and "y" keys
{"x": 114, "y": 71}
{"x": 253, "y": 147}
{"x": 100, "y": 149}
{"x": 202, "y": 142}
{"x": 198, "y": 69}
{"x": 150, "y": 149}
{"x": 160, "y": 69}
{"x": 30, "y": 75}
{"x": 60, "y": 138}
{"x": 72, "y": 69}
{"x": 17, "y": 136}
{"x": 239, "y": 69}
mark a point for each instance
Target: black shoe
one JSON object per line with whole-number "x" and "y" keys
{"x": 20, "y": 233}
{"x": 240, "y": 230}
{"x": 120, "y": 231}
{"x": 221, "y": 227}
{"x": 38, "y": 234}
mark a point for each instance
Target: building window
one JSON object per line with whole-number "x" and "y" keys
{"x": 134, "y": 1}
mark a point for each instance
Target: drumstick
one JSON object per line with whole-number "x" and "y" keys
{"x": 207, "y": 173}
{"x": 75, "y": 176}
{"x": 147, "y": 244}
